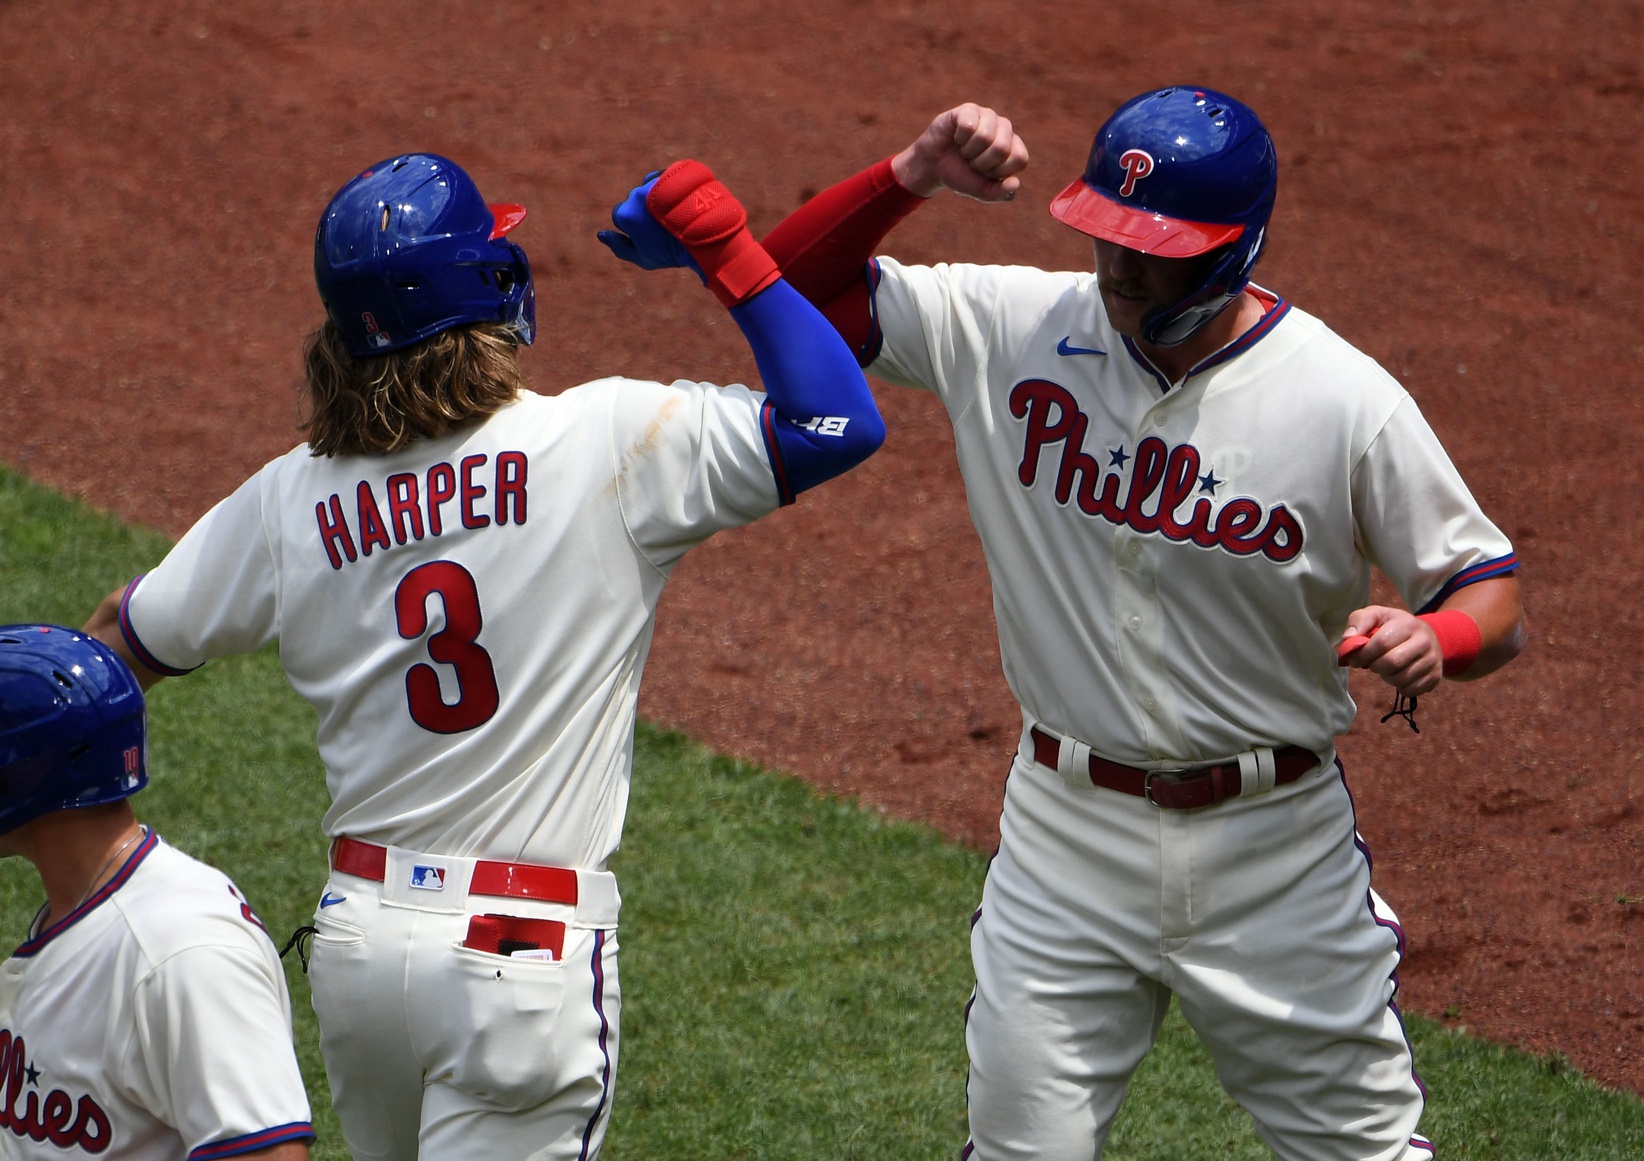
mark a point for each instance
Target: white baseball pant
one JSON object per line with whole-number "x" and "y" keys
{"x": 1256, "y": 913}
{"x": 443, "y": 1052}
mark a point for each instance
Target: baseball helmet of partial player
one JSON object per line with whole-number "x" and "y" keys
{"x": 1180, "y": 172}
{"x": 73, "y": 724}
{"x": 409, "y": 248}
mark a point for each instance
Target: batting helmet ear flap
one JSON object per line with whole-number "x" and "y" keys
{"x": 1223, "y": 282}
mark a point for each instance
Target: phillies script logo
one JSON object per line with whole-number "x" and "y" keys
{"x": 1137, "y": 164}
{"x": 56, "y": 1118}
{"x": 1162, "y": 480}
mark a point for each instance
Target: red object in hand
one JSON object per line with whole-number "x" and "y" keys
{"x": 695, "y": 207}
{"x": 1350, "y": 646}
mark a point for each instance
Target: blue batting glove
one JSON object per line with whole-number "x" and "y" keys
{"x": 640, "y": 239}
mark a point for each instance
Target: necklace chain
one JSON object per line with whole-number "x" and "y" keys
{"x": 141, "y": 831}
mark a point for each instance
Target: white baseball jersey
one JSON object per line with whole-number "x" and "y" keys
{"x": 149, "y": 1024}
{"x": 470, "y": 617}
{"x": 1172, "y": 565}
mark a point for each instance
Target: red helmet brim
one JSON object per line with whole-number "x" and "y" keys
{"x": 1093, "y": 213}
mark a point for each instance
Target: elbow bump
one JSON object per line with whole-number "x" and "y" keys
{"x": 866, "y": 436}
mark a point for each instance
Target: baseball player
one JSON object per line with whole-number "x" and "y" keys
{"x": 145, "y": 1017}
{"x": 463, "y": 578}
{"x": 1181, "y": 482}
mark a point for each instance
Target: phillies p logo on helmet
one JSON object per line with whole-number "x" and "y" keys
{"x": 1137, "y": 164}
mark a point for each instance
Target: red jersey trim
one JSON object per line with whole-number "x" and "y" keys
{"x": 250, "y": 1142}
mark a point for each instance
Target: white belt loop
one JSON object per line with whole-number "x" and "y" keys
{"x": 1257, "y": 773}
{"x": 598, "y": 900}
{"x": 1073, "y": 763}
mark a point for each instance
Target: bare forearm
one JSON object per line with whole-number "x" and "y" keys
{"x": 105, "y": 626}
{"x": 1494, "y": 605}
{"x": 1411, "y": 653}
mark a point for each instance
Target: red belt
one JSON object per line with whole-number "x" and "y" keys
{"x": 512, "y": 880}
{"x": 1177, "y": 789}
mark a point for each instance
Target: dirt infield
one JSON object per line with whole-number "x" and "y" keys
{"x": 1458, "y": 196}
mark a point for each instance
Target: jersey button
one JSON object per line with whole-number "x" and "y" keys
{"x": 1158, "y": 421}
{"x": 1135, "y": 622}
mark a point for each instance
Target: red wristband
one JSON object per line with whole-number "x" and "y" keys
{"x": 1458, "y": 637}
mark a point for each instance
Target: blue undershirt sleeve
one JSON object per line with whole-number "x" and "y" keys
{"x": 819, "y": 419}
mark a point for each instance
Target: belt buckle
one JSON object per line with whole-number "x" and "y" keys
{"x": 1174, "y": 775}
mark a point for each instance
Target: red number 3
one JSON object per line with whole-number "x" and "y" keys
{"x": 455, "y": 645}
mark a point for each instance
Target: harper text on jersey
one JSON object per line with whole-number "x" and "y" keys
{"x": 1167, "y": 473}
{"x": 57, "y": 1118}
{"x": 415, "y": 506}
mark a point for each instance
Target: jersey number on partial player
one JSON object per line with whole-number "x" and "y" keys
{"x": 455, "y": 645}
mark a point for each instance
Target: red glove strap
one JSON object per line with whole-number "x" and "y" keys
{"x": 1458, "y": 637}
{"x": 695, "y": 207}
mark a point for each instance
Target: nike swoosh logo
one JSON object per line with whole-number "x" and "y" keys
{"x": 330, "y": 900}
{"x": 1066, "y": 348}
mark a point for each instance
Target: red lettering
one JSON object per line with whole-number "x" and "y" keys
{"x": 1165, "y": 474}
{"x": 403, "y": 512}
{"x": 11, "y": 1075}
{"x": 1107, "y": 506}
{"x": 1198, "y": 528}
{"x": 334, "y": 532}
{"x": 89, "y": 1130}
{"x": 57, "y": 1116}
{"x": 1032, "y": 399}
{"x": 456, "y": 645}
{"x": 30, "y": 1121}
{"x": 1234, "y": 522}
{"x": 372, "y": 529}
{"x": 442, "y": 488}
{"x": 1145, "y": 476}
{"x": 471, "y": 493}
{"x": 92, "y": 1132}
{"x": 1181, "y": 473}
{"x": 511, "y": 486}
{"x": 1076, "y": 462}
{"x": 1281, "y": 525}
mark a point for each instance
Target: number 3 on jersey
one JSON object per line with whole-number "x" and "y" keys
{"x": 455, "y": 645}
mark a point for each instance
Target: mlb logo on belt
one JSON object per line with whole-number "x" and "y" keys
{"x": 428, "y": 878}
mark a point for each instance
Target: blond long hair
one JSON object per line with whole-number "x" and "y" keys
{"x": 385, "y": 403}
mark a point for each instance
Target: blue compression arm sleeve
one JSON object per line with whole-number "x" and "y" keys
{"x": 819, "y": 418}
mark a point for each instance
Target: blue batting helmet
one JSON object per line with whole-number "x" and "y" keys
{"x": 409, "y": 248}
{"x": 1178, "y": 173}
{"x": 73, "y": 729}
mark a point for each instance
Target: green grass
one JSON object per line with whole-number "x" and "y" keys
{"x": 794, "y": 968}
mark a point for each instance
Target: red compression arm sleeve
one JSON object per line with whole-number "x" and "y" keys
{"x": 824, "y": 246}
